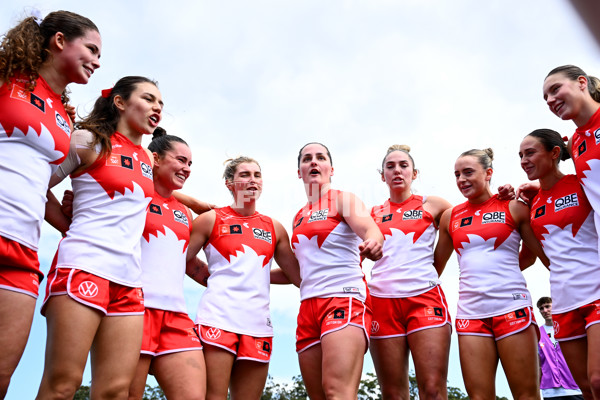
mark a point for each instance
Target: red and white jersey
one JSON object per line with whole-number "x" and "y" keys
{"x": 239, "y": 252}
{"x": 327, "y": 251}
{"x": 586, "y": 156}
{"x": 34, "y": 137}
{"x": 563, "y": 221}
{"x": 164, "y": 249}
{"x": 406, "y": 268}
{"x": 487, "y": 244}
{"x": 109, "y": 212}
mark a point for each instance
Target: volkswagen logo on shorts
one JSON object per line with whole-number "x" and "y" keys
{"x": 213, "y": 333}
{"x": 88, "y": 289}
{"x": 462, "y": 323}
{"x": 374, "y": 327}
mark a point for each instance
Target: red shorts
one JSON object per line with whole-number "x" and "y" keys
{"x": 18, "y": 264}
{"x": 394, "y": 317}
{"x": 93, "y": 291}
{"x": 573, "y": 324}
{"x": 320, "y": 316}
{"x": 19, "y": 280}
{"x": 497, "y": 327}
{"x": 168, "y": 332}
{"x": 244, "y": 347}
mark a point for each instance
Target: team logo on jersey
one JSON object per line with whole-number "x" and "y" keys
{"x": 146, "y": 170}
{"x": 374, "y": 327}
{"x": 540, "y": 211}
{"x": 433, "y": 311}
{"x": 466, "y": 222}
{"x": 37, "y": 102}
{"x": 567, "y": 201}
{"x": 126, "y": 162}
{"x": 261, "y": 234}
{"x": 230, "y": 229}
{"x": 155, "y": 209}
{"x": 519, "y": 296}
{"x": 582, "y": 148}
{"x": 61, "y": 123}
{"x": 556, "y": 326}
{"x": 320, "y": 215}
{"x": 299, "y": 222}
{"x": 269, "y": 322}
{"x": 597, "y": 135}
{"x": 263, "y": 345}
{"x": 19, "y": 93}
{"x": 180, "y": 217}
{"x": 412, "y": 214}
{"x": 494, "y": 217}
{"x": 339, "y": 314}
{"x": 88, "y": 289}
{"x": 462, "y": 323}
{"x": 351, "y": 290}
{"x": 387, "y": 218}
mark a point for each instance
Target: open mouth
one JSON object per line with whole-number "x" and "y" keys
{"x": 154, "y": 119}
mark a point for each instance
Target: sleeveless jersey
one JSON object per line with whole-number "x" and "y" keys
{"x": 239, "y": 252}
{"x": 109, "y": 211}
{"x": 487, "y": 244}
{"x": 586, "y": 156}
{"x": 327, "y": 251}
{"x": 34, "y": 137}
{"x": 164, "y": 249}
{"x": 563, "y": 222}
{"x": 406, "y": 268}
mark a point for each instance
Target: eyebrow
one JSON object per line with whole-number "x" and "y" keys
{"x": 154, "y": 98}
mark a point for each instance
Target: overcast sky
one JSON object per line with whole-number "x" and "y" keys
{"x": 262, "y": 78}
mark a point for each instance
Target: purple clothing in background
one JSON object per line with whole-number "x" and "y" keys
{"x": 555, "y": 372}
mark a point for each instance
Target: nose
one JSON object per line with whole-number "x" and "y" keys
{"x": 96, "y": 63}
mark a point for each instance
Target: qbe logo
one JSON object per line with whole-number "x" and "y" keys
{"x": 320, "y": 215}
{"x": 88, "y": 289}
{"x": 412, "y": 214}
{"x": 262, "y": 235}
{"x": 180, "y": 217}
{"x": 146, "y": 170}
{"x": 62, "y": 124}
{"x": 493, "y": 217}
{"x": 567, "y": 201}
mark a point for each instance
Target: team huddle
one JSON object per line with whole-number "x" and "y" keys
{"x": 115, "y": 287}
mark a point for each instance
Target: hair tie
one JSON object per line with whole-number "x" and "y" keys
{"x": 37, "y": 16}
{"x": 565, "y": 138}
{"x": 106, "y": 93}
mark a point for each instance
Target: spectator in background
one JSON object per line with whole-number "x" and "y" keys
{"x": 557, "y": 381}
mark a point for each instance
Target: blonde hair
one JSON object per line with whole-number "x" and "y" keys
{"x": 398, "y": 147}
{"x": 232, "y": 164}
{"x": 484, "y": 157}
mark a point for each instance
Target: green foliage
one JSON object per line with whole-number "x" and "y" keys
{"x": 151, "y": 393}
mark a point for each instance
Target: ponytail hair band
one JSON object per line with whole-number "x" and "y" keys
{"x": 106, "y": 93}
{"x": 37, "y": 16}
{"x": 565, "y": 138}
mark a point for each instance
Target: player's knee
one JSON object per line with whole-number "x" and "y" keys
{"x": 115, "y": 389}
{"x": 594, "y": 380}
{"x": 432, "y": 390}
{"x": 335, "y": 389}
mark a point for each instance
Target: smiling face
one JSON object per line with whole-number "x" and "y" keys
{"x": 77, "y": 59}
{"x": 315, "y": 166}
{"x": 564, "y": 96}
{"x": 141, "y": 112}
{"x": 247, "y": 182}
{"x": 172, "y": 170}
{"x": 398, "y": 172}
{"x": 472, "y": 179}
{"x": 536, "y": 161}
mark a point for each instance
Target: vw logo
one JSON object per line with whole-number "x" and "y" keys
{"x": 462, "y": 323}
{"x": 88, "y": 289}
{"x": 374, "y": 327}
{"x": 213, "y": 333}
